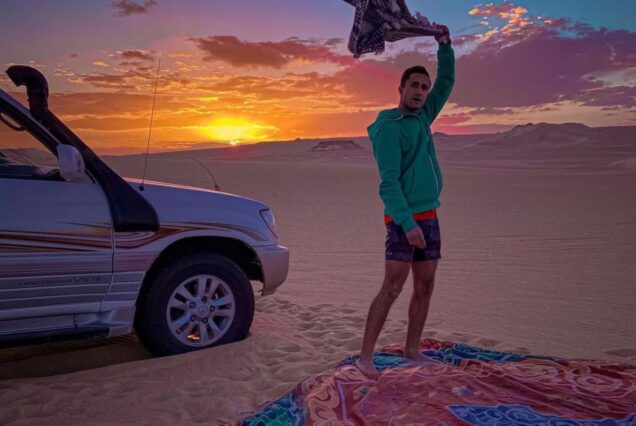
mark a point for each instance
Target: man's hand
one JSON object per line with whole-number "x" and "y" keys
{"x": 444, "y": 34}
{"x": 416, "y": 237}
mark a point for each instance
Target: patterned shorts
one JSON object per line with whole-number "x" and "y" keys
{"x": 399, "y": 248}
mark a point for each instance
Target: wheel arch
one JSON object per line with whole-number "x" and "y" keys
{"x": 235, "y": 250}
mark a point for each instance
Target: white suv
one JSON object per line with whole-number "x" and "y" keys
{"x": 83, "y": 251}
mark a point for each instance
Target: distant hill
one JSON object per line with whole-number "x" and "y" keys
{"x": 563, "y": 146}
{"x": 562, "y": 135}
{"x": 336, "y": 146}
{"x": 569, "y": 145}
{"x": 299, "y": 149}
{"x": 175, "y": 147}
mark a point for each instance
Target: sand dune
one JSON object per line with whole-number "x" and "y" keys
{"x": 535, "y": 259}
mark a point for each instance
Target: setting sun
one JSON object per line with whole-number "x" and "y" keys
{"x": 235, "y": 131}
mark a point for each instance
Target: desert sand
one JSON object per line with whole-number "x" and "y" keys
{"x": 539, "y": 250}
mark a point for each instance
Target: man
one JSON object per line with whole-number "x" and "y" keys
{"x": 410, "y": 186}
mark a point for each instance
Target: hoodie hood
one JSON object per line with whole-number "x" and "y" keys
{"x": 387, "y": 114}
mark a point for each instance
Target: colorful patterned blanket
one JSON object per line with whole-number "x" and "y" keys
{"x": 461, "y": 385}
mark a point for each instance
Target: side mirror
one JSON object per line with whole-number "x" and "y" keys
{"x": 70, "y": 163}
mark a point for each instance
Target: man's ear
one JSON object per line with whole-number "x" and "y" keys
{"x": 400, "y": 90}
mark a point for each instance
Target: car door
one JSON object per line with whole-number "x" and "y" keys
{"x": 56, "y": 248}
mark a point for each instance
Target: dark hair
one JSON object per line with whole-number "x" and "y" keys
{"x": 418, "y": 69}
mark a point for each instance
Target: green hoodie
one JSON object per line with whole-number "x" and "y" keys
{"x": 411, "y": 180}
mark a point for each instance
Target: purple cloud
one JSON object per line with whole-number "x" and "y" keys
{"x": 130, "y": 7}
{"x": 137, "y": 54}
{"x": 529, "y": 61}
{"x": 616, "y": 96}
{"x": 529, "y": 64}
{"x": 240, "y": 53}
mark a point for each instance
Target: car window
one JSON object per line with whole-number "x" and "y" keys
{"x": 22, "y": 156}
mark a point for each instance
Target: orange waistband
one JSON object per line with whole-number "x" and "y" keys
{"x": 429, "y": 214}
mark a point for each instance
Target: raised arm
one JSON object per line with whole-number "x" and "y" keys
{"x": 444, "y": 81}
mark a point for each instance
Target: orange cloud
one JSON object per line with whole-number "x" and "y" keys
{"x": 137, "y": 54}
{"x": 240, "y": 53}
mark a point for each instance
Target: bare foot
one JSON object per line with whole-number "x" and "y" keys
{"x": 367, "y": 369}
{"x": 416, "y": 356}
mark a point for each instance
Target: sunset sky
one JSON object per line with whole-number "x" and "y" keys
{"x": 243, "y": 71}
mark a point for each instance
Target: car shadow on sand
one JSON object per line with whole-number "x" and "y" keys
{"x": 65, "y": 357}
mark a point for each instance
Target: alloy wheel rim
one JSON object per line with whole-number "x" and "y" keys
{"x": 200, "y": 310}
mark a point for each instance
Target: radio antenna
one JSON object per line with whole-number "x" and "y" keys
{"x": 152, "y": 113}
{"x": 216, "y": 187}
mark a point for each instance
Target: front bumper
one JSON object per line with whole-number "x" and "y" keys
{"x": 275, "y": 263}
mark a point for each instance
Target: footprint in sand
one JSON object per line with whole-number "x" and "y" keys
{"x": 353, "y": 344}
{"x": 271, "y": 354}
{"x": 306, "y": 316}
{"x": 288, "y": 347}
{"x": 462, "y": 337}
{"x": 292, "y": 373}
{"x": 357, "y": 320}
{"x": 325, "y": 306}
{"x": 488, "y": 342}
{"x": 622, "y": 352}
{"x": 316, "y": 334}
{"x": 344, "y": 335}
{"x": 296, "y": 357}
{"x": 318, "y": 326}
{"x": 393, "y": 330}
{"x": 284, "y": 303}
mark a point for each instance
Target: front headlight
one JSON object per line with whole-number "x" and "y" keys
{"x": 270, "y": 220}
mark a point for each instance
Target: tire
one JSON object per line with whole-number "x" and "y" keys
{"x": 176, "y": 317}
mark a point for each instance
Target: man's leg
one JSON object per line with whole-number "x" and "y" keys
{"x": 423, "y": 284}
{"x": 395, "y": 275}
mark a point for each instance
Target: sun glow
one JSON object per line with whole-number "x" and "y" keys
{"x": 235, "y": 131}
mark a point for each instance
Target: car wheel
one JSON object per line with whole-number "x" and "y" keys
{"x": 199, "y": 301}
